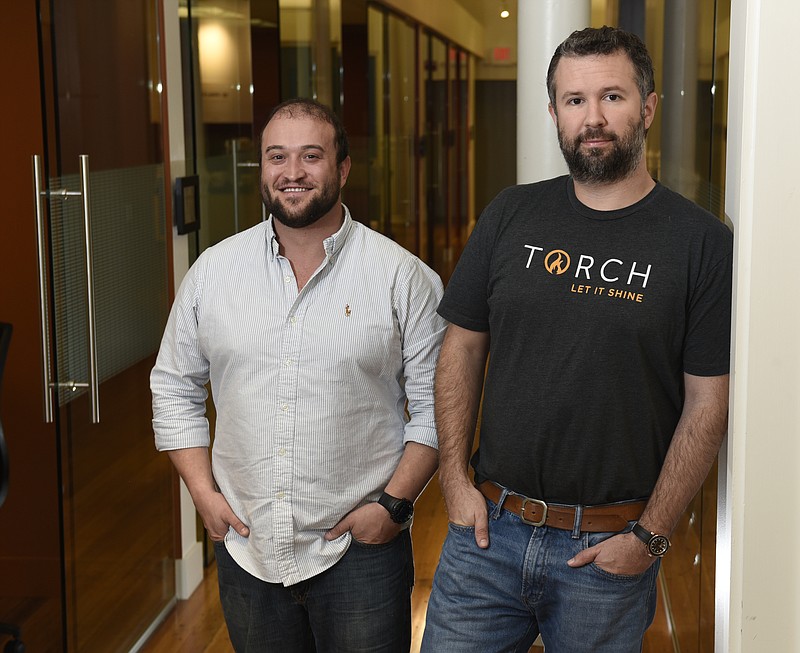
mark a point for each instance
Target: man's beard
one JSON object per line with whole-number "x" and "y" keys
{"x": 317, "y": 208}
{"x": 597, "y": 166}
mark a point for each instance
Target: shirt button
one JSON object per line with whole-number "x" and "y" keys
{"x": 287, "y": 279}
{"x": 280, "y": 495}
{"x": 288, "y": 362}
{"x": 293, "y": 319}
{"x": 281, "y": 451}
{"x": 284, "y": 407}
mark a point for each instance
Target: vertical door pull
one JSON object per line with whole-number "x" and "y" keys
{"x": 41, "y": 252}
{"x": 93, "y": 383}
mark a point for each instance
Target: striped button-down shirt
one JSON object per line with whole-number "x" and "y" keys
{"x": 310, "y": 387}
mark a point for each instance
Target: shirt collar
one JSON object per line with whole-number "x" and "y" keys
{"x": 332, "y": 244}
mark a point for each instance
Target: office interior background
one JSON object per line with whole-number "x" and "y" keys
{"x": 108, "y": 106}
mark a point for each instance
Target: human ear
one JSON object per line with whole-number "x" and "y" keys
{"x": 650, "y": 109}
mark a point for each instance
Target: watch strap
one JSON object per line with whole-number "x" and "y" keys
{"x": 642, "y": 533}
{"x": 400, "y": 510}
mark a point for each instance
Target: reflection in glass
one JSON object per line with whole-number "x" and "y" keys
{"x": 378, "y": 141}
{"x": 311, "y": 51}
{"x": 686, "y": 151}
{"x": 436, "y": 152}
{"x": 231, "y": 99}
{"x": 102, "y": 98}
{"x": 402, "y": 134}
{"x": 392, "y": 116}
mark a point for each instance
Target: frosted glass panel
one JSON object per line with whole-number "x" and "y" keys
{"x": 130, "y": 272}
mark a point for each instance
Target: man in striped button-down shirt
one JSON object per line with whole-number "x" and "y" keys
{"x": 320, "y": 339}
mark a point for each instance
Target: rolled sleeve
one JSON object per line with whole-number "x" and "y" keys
{"x": 418, "y": 294}
{"x": 178, "y": 380}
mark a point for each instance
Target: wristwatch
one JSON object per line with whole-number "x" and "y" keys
{"x": 400, "y": 510}
{"x": 657, "y": 545}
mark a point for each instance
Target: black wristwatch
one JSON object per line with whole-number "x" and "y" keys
{"x": 400, "y": 510}
{"x": 657, "y": 545}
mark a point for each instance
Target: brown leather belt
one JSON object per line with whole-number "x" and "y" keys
{"x": 608, "y": 518}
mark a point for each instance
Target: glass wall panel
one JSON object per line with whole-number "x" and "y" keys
{"x": 421, "y": 139}
{"x": 222, "y": 112}
{"x": 378, "y": 124}
{"x": 436, "y": 151}
{"x": 453, "y": 144}
{"x": 401, "y": 99}
{"x": 423, "y": 155}
{"x": 469, "y": 190}
{"x": 311, "y": 50}
{"x": 392, "y": 162}
{"x": 461, "y": 139}
{"x": 357, "y": 80}
{"x": 229, "y": 104}
{"x": 107, "y": 270}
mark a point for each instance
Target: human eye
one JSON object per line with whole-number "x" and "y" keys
{"x": 613, "y": 97}
{"x": 574, "y": 101}
{"x": 275, "y": 157}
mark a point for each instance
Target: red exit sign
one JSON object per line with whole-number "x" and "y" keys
{"x": 501, "y": 55}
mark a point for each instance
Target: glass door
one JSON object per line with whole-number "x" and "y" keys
{"x": 102, "y": 191}
{"x": 392, "y": 109}
{"x": 436, "y": 153}
{"x": 232, "y": 98}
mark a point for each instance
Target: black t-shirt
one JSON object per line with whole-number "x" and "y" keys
{"x": 594, "y": 316}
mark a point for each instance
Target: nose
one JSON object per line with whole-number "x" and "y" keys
{"x": 595, "y": 117}
{"x": 294, "y": 168}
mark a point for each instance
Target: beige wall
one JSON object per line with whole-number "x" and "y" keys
{"x": 758, "y": 569}
{"x": 499, "y": 33}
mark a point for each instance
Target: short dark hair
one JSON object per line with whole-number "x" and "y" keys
{"x": 604, "y": 41}
{"x": 305, "y": 107}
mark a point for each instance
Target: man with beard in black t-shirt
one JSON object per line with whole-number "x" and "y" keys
{"x": 606, "y": 299}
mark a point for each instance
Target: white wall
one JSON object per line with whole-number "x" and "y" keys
{"x": 758, "y": 569}
{"x": 189, "y": 563}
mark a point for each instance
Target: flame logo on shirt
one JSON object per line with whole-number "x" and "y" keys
{"x": 557, "y": 262}
{"x": 347, "y": 310}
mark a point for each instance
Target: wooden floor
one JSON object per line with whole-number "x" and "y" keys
{"x": 197, "y": 626}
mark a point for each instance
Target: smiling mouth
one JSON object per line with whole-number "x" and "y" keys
{"x": 293, "y": 189}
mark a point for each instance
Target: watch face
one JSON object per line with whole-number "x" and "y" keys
{"x": 658, "y": 545}
{"x": 403, "y": 511}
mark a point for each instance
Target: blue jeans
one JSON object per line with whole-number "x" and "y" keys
{"x": 362, "y": 603}
{"x": 501, "y": 598}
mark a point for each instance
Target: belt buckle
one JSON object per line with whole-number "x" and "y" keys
{"x": 525, "y": 502}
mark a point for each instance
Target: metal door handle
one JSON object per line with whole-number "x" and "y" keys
{"x": 93, "y": 383}
{"x": 43, "y": 294}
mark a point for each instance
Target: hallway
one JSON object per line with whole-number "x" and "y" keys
{"x": 197, "y": 625}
